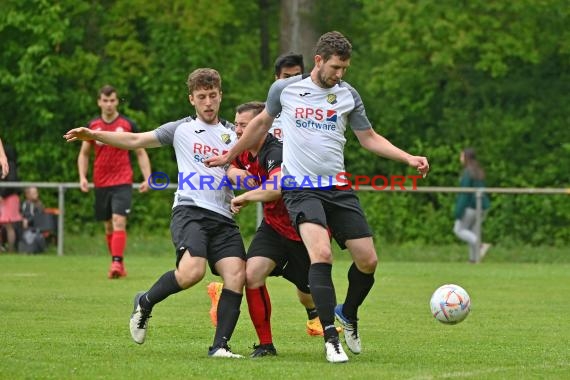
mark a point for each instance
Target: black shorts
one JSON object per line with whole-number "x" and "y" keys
{"x": 339, "y": 210}
{"x": 206, "y": 234}
{"x": 112, "y": 200}
{"x": 291, "y": 257}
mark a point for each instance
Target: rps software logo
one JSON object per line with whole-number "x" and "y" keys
{"x": 315, "y": 118}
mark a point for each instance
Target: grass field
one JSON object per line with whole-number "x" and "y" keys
{"x": 62, "y": 319}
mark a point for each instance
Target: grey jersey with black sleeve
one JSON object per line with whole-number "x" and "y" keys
{"x": 314, "y": 121}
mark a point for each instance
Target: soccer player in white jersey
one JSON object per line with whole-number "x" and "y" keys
{"x": 202, "y": 227}
{"x": 315, "y": 112}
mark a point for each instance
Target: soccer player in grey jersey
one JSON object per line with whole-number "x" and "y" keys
{"x": 202, "y": 227}
{"x": 315, "y": 113}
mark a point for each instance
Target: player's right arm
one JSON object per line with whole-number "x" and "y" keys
{"x": 255, "y": 131}
{"x": 122, "y": 140}
{"x": 83, "y": 165}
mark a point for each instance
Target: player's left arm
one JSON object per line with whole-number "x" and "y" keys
{"x": 144, "y": 165}
{"x": 379, "y": 145}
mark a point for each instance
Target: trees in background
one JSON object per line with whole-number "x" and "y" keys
{"x": 435, "y": 77}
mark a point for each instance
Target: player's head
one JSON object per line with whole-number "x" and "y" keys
{"x": 108, "y": 100}
{"x": 205, "y": 93}
{"x": 245, "y": 113}
{"x": 288, "y": 65}
{"x": 468, "y": 158}
{"x": 332, "y": 58}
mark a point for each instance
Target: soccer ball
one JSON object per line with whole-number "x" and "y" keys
{"x": 450, "y": 304}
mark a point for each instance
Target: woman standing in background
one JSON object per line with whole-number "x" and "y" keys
{"x": 465, "y": 206}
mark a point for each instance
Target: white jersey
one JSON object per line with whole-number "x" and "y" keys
{"x": 314, "y": 121}
{"x": 193, "y": 142}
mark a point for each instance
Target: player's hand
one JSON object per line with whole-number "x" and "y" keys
{"x": 238, "y": 203}
{"x": 84, "y": 185}
{"x": 251, "y": 182}
{"x": 5, "y": 167}
{"x": 84, "y": 134}
{"x": 215, "y": 161}
{"x": 144, "y": 187}
{"x": 420, "y": 163}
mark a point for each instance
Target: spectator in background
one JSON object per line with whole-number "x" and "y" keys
{"x": 9, "y": 200}
{"x": 465, "y": 206}
{"x": 32, "y": 207}
{"x": 4, "y": 166}
{"x": 34, "y": 222}
{"x": 112, "y": 176}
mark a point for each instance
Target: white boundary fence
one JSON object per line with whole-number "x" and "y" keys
{"x": 63, "y": 186}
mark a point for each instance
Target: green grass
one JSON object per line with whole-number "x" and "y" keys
{"x": 62, "y": 319}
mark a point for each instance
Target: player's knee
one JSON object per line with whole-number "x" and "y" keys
{"x": 254, "y": 278}
{"x": 190, "y": 276}
{"x": 368, "y": 264}
{"x": 321, "y": 254}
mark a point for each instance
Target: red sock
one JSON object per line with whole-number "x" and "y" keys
{"x": 259, "y": 305}
{"x": 118, "y": 242}
{"x": 109, "y": 240}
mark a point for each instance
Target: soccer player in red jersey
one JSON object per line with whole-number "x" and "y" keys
{"x": 112, "y": 176}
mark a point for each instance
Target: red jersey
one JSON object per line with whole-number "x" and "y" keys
{"x": 112, "y": 165}
{"x": 268, "y": 162}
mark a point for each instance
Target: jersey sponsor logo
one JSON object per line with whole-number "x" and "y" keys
{"x": 204, "y": 149}
{"x": 315, "y": 118}
{"x": 331, "y": 98}
{"x": 317, "y": 114}
{"x": 331, "y": 115}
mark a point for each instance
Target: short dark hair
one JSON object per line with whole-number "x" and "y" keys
{"x": 107, "y": 90}
{"x": 333, "y": 43}
{"x": 256, "y": 107}
{"x": 288, "y": 60}
{"x": 205, "y": 79}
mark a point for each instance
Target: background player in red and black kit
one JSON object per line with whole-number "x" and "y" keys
{"x": 112, "y": 176}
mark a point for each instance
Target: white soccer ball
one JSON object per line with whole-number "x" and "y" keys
{"x": 450, "y": 304}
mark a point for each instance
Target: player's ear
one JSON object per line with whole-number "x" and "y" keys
{"x": 191, "y": 99}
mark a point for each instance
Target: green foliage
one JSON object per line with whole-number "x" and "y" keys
{"x": 435, "y": 76}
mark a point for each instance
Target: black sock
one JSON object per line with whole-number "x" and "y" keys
{"x": 312, "y": 313}
{"x": 117, "y": 258}
{"x": 359, "y": 285}
{"x": 228, "y": 313}
{"x": 164, "y": 287}
{"x": 322, "y": 289}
